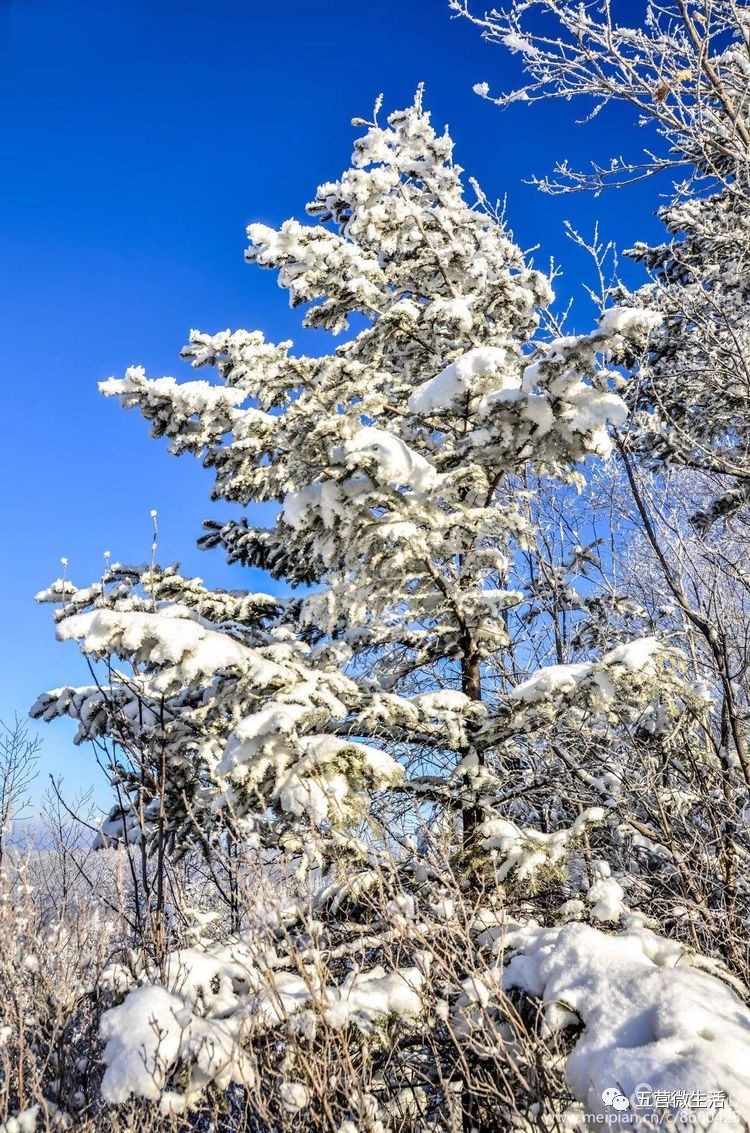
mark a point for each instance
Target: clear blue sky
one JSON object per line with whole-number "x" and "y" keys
{"x": 139, "y": 138}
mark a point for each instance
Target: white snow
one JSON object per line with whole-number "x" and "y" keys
{"x": 648, "y": 1015}
{"x": 527, "y": 849}
{"x": 364, "y": 997}
{"x": 518, "y": 43}
{"x": 606, "y": 896}
{"x": 294, "y": 1096}
{"x": 442, "y": 703}
{"x": 186, "y": 650}
{"x": 143, "y": 1036}
{"x": 317, "y": 775}
{"x": 553, "y": 681}
{"x": 634, "y": 656}
{"x": 196, "y": 1020}
{"x": 456, "y": 312}
{"x": 629, "y": 320}
{"x": 188, "y": 398}
{"x": 450, "y": 387}
{"x": 324, "y": 498}
{"x": 387, "y": 459}
{"x": 23, "y": 1122}
{"x": 591, "y": 410}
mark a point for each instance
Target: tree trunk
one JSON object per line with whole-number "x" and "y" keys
{"x": 473, "y": 1119}
{"x": 471, "y": 686}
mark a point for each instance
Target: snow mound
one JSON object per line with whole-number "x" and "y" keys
{"x": 155, "y": 1029}
{"x": 650, "y": 1019}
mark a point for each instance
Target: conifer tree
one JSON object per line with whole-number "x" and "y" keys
{"x": 396, "y": 460}
{"x": 386, "y": 727}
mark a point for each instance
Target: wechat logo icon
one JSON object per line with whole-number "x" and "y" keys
{"x": 613, "y": 1097}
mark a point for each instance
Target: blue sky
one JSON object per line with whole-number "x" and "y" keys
{"x": 139, "y": 140}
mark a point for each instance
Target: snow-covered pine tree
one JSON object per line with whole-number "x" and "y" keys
{"x": 394, "y": 699}
{"x": 396, "y": 459}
